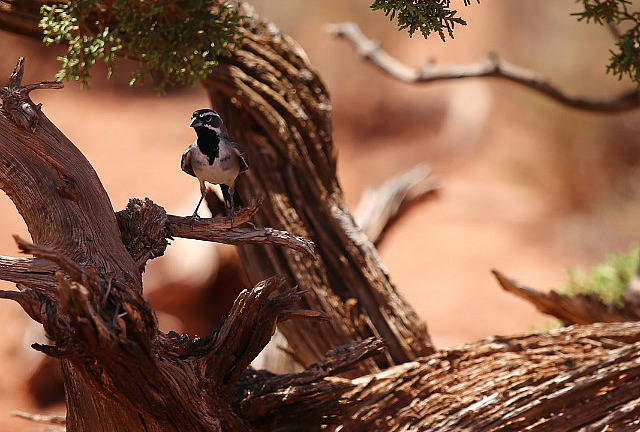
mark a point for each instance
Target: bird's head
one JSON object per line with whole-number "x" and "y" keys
{"x": 206, "y": 119}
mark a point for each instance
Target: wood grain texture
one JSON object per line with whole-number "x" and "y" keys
{"x": 122, "y": 374}
{"x": 278, "y": 108}
{"x": 84, "y": 286}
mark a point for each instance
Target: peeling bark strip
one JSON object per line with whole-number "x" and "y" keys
{"x": 276, "y": 105}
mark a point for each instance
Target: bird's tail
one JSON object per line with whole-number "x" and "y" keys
{"x": 237, "y": 201}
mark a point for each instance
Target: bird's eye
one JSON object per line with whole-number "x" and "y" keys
{"x": 216, "y": 121}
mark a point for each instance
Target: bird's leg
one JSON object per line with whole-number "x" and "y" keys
{"x": 231, "y": 192}
{"x": 203, "y": 191}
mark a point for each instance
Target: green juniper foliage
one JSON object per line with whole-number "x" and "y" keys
{"x": 425, "y": 15}
{"x": 625, "y": 59}
{"x": 181, "y": 39}
{"x": 609, "y": 280}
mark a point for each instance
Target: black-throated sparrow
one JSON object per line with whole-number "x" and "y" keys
{"x": 213, "y": 157}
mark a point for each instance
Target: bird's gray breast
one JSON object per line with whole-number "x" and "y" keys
{"x": 224, "y": 169}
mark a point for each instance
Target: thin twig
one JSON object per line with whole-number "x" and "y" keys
{"x": 58, "y": 419}
{"x": 491, "y": 67}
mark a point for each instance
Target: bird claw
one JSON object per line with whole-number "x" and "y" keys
{"x": 231, "y": 218}
{"x": 193, "y": 219}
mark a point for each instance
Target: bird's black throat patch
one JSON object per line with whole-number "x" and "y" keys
{"x": 208, "y": 141}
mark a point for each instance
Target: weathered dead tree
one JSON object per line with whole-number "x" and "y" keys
{"x": 278, "y": 108}
{"x": 84, "y": 286}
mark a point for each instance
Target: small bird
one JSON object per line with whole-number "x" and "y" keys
{"x": 213, "y": 157}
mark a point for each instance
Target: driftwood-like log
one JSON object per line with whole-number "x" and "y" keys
{"x": 573, "y": 378}
{"x": 278, "y": 108}
{"x": 491, "y": 67}
{"x": 571, "y": 309}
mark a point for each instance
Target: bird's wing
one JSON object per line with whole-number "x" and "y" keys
{"x": 242, "y": 154}
{"x": 185, "y": 162}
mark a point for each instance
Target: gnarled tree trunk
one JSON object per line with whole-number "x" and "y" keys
{"x": 121, "y": 373}
{"x": 277, "y": 106}
{"x": 84, "y": 286}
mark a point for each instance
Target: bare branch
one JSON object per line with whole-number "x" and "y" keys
{"x": 577, "y": 309}
{"x": 219, "y": 230}
{"x": 491, "y": 67}
{"x": 145, "y": 228}
{"x": 32, "y": 272}
{"x": 58, "y": 419}
{"x": 50, "y": 254}
{"x": 380, "y": 207}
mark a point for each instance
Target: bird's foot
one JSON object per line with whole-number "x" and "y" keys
{"x": 194, "y": 218}
{"x": 231, "y": 215}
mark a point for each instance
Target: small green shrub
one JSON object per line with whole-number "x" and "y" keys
{"x": 609, "y": 280}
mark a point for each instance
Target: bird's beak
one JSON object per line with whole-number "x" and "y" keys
{"x": 195, "y": 122}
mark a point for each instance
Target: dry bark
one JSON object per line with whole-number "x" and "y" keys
{"x": 574, "y": 378}
{"x": 84, "y": 286}
{"x": 583, "y": 378}
{"x": 571, "y": 309}
{"x": 276, "y": 105}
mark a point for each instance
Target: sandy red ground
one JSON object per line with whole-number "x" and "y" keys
{"x": 499, "y": 206}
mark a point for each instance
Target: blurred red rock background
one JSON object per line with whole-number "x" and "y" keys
{"x": 529, "y": 186}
